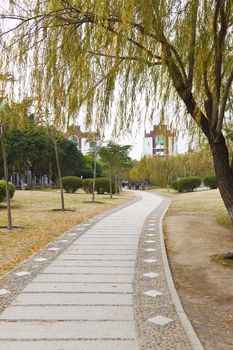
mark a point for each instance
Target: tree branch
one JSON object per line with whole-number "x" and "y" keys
{"x": 224, "y": 101}
{"x": 133, "y": 58}
{"x": 191, "y": 57}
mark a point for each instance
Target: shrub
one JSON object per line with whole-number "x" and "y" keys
{"x": 87, "y": 185}
{"x": 71, "y": 183}
{"x": 102, "y": 185}
{"x": 11, "y": 187}
{"x": 186, "y": 184}
{"x": 210, "y": 181}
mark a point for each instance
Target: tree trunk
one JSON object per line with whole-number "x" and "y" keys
{"x": 119, "y": 185}
{"x": 59, "y": 174}
{"x": 168, "y": 186}
{"x": 33, "y": 180}
{"x": 42, "y": 182}
{"x": 50, "y": 174}
{"x": 223, "y": 172}
{"x": 4, "y": 154}
{"x": 116, "y": 184}
{"x": 22, "y": 182}
{"x": 94, "y": 177}
{"x": 110, "y": 186}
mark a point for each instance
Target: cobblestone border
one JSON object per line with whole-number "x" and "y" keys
{"x": 177, "y": 333}
{"x": 15, "y": 284}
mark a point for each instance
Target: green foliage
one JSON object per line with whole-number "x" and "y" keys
{"x": 71, "y": 183}
{"x": 116, "y": 158}
{"x": 86, "y": 185}
{"x": 210, "y": 181}
{"x": 31, "y": 149}
{"x": 3, "y": 190}
{"x": 102, "y": 185}
{"x": 186, "y": 184}
{"x": 88, "y": 169}
{"x": 71, "y": 159}
{"x": 161, "y": 171}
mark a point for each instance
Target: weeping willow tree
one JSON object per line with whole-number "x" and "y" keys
{"x": 94, "y": 54}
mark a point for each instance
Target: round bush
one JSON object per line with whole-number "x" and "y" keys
{"x": 11, "y": 187}
{"x": 86, "y": 184}
{"x": 210, "y": 181}
{"x": 186, "y": 184}
{"x": 71, "y": 183}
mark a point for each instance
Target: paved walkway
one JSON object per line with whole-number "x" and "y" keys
{"x": 83, "y": 300}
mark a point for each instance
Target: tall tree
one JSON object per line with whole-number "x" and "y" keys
{"x": 86, "y": 51}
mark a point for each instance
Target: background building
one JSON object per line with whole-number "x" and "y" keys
{"x": 160, "y": 142}
{"x": 81, "y": 139}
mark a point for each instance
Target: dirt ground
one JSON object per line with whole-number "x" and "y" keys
{"x": 205, "y": 287}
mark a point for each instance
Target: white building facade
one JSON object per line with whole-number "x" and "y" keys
{"x": 160, "y": 142}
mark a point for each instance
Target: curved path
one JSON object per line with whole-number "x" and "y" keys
{"x": 91, "y": 296}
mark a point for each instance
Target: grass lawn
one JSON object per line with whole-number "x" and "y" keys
{"x": 207, "y": 201}
{"x": 33, "y": 212}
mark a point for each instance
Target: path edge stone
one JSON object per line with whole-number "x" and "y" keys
{"x": 188, "y": 328}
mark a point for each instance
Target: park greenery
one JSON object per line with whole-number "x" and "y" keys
{"x": 74, "y": 54}
{"x": 163, "y": 171}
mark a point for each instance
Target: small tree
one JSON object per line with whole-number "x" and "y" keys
{"x": 10, "y": 117}
{"x": 55, "y": 137}
{"x": 95, "y": 145}
{"x": 116, "y": 158}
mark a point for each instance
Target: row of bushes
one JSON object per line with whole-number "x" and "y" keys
{"x": 72, "y": 183}
{"x": 102, "y": 185}
{"x": 188, "y": 184}
{"x": 3, "y": 190}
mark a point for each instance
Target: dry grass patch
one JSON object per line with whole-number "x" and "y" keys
{"x": 207, "y": 201}
{"x": 39, "y": 224}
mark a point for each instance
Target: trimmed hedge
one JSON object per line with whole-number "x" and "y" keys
{"x": 211, "y": 181}
{"x": 87, "y": 185}
{"x": 11, "y": 187}
{"x": 71, "y": 183}
{"x": 186, "y": 184}
{"x": 102, "y": 185}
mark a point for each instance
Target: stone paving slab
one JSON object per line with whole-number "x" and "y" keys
{"x": 72, "y": 299}
{"x": 105, "y": 246}
{"x": 104, "y": 257}
{"x": 103, "y": 270}
{"x": 104, "y": 251}
{"x": 68, "y": 330}
{"x": 70, "y": 345}
{"x": 85, "y": 313}
{"x": 79, "y": 287}
{"x": 84, "y": 278}
{"x": 96, "y": 263}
